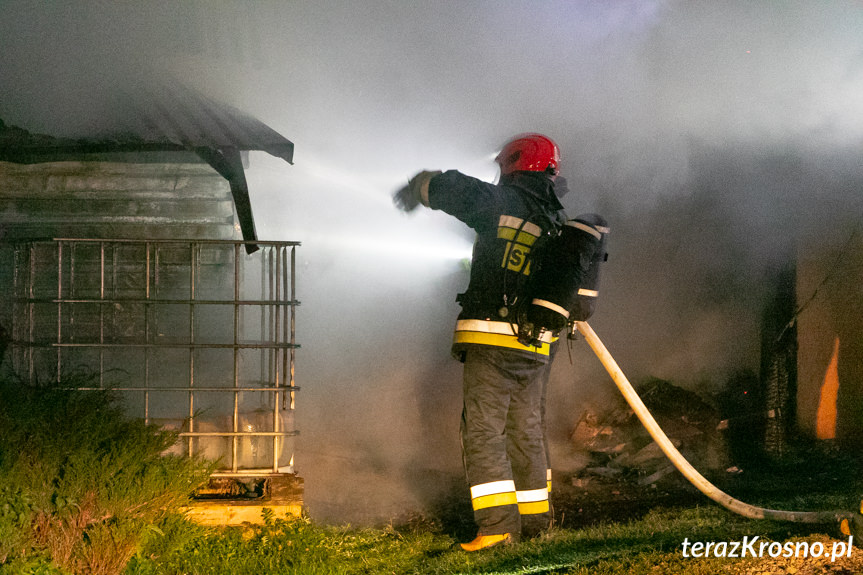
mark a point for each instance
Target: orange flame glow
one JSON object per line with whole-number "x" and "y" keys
{"x": 825, "y": 417}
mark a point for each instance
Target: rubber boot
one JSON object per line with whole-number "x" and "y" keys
{"x": 486, "y": 541}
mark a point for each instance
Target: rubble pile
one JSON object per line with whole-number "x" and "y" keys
{"x": 621, "y": 451}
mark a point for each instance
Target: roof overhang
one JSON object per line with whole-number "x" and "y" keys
{"x": 171, "y": 125}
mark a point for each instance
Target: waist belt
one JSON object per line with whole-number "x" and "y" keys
{"x": 496, "y": 333}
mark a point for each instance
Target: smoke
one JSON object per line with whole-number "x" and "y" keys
{"x": 709, "y": 134}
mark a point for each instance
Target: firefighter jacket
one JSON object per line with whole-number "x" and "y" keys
{"x": 512, "y": 219}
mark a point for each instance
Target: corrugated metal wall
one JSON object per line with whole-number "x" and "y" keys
{"x": 109, "y": 200}
{"x": 114, "y": 200}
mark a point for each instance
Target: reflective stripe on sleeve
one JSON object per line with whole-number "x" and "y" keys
{"x": 588, "y": 292}
{"x": 423, "y": 182}
{"x": 522, "y": 238}
{"x": 548, "y": 479}
{"x": 519, "y": 224}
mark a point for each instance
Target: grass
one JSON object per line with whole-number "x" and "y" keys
{"x": 82, "y": 485}
{"x": 651, "y": 544}
{"x": 86, "y": 491}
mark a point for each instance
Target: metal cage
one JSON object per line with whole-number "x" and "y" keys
{"x": 195, "y": 335}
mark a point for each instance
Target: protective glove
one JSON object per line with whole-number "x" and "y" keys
{"x": 406, "y": 199}
{"x": 415, "y": 192}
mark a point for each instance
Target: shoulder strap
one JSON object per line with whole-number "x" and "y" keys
{"x": 533, "y": 258}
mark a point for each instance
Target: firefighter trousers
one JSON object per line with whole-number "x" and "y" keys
{"x": 502, "y": 440}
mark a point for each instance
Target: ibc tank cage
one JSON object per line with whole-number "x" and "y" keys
{"x": 194, "y": 335}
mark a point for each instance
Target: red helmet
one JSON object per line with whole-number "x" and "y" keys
{"x": 529, "y": 152}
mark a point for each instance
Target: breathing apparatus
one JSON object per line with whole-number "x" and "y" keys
{"x": 565, "y": 287}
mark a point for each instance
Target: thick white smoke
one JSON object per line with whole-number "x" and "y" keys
{"x": 704, "y": 132}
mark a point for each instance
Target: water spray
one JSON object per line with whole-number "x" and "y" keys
{"x": 850, "y": 523}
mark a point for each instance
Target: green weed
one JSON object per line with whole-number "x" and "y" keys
{"x": 81, "y": 483}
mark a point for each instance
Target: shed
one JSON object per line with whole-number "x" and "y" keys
{"x": 170, "y": 125}
{"x": 133, "y": 253}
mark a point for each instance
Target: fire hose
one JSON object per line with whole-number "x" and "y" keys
{"x": 850, "y": 523}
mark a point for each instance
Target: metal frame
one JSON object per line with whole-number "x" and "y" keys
{"x": 126, "y": 300}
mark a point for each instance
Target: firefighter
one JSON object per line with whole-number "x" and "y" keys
{"x": 504, "y": 379}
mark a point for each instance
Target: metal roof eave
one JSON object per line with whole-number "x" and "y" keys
{"x": 191, "y": 129}
{"x": 227, "y": 162}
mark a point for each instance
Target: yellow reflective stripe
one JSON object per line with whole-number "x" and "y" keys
{"x": 499, "y": 493}
{"x": 518, "y": 223}
{"x": 499, "y": 327}
{"x": 524, "y": 238}
{"x": 505, "y": 234}
{"x": 548, "y": 479}
{"x": 495, "y": 500}
{"x": 532, "y": 501}
{"x": 493, "y": 494}
{"x": 588, "y": 292}
{"x": 497, "y": 340}
{"x": 533, "y": 507}
{"x": 515, "y": 257}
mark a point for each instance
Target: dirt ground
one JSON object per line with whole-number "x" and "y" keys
{"x": 599, "y": 501}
